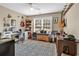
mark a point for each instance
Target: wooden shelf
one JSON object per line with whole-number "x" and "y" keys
{"x": 28, "y": 24}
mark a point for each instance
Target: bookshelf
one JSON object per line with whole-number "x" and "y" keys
{"x": 46, "y": 24}
{"x": 28, "y": 25}
{"x": 38, "y": 25}
{"x": 42, "y": 24}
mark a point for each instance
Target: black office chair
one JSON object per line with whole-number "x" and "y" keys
{"x": 53, "y": 39}
{"x": 34, "y": 36}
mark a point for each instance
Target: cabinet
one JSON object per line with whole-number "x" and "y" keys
{"x": 67, "y": 47}
{"x": 7, "y": 48}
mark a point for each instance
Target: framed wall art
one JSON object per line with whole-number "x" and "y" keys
{"x": 13, "y": 22}
{"x": 55, "y": 20}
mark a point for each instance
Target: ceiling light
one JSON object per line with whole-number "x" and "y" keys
{"x": 31, "y": 8}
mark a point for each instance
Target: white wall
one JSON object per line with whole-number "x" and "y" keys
{"x": 72, "y": 17}
{"x": 4, "y": 12}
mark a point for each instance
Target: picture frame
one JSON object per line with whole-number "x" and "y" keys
{"x": 13, "y": 22}
{"x": 55, "y": 20}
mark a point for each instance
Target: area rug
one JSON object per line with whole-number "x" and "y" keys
{"x": 35, "y": 48}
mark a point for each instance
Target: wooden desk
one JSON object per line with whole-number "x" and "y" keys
{"x": 66, "y": 46}
{"x": 43, "y": 37}
{"x": 59, "y": 46}
{"x": 70, "y": 47}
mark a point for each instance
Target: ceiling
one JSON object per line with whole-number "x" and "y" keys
{"x": 43, "y": 8}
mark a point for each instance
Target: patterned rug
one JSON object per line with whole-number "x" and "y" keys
{"x": 35, "y": 48}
